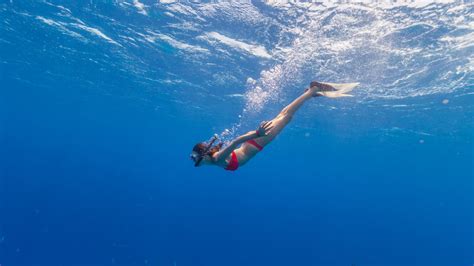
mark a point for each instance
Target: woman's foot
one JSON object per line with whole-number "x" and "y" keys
{"x": 317, "y": 87}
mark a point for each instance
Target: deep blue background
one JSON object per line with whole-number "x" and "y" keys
{"x": 98, "y": 173}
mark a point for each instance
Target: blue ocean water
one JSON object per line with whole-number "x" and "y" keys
{"x": 101, "y": 103}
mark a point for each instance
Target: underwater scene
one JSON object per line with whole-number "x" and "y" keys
{"x": 102, "y": 104}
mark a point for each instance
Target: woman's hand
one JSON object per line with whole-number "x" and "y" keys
{"x": 264, "y": 128}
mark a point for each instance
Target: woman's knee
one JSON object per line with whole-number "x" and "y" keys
{"x": 285, "y": 118}
{"x": 280, "y": 123}
{"x": 283, "y": 112}
{"x": 283, "y": 115}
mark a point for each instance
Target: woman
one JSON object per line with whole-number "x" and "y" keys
{"x": 233, "y": 156}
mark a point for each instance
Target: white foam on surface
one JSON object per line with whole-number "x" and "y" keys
{"x": 96, "y": 32}
{"x": 256, "y": 50}
{"x": 62, "y": 8}
{"x": 61, "y": 27}
{"x": 48, "y": 21}
{"x": 140, "y": 7}
{"x": 180, "y": 45}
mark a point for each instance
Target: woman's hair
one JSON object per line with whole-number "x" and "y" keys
{"x": 200, "y": 148}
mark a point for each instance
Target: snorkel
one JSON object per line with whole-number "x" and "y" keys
{"x": 199, "y": 157}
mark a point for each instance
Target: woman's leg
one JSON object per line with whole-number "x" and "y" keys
{"x": 284, "y": 117}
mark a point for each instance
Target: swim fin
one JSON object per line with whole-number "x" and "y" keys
{"x": 341, "y": 90}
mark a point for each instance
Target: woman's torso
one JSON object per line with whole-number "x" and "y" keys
{"x": 242, "y": 155}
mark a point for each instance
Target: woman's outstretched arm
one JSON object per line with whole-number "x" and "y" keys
{"x": 262, "y": 130}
